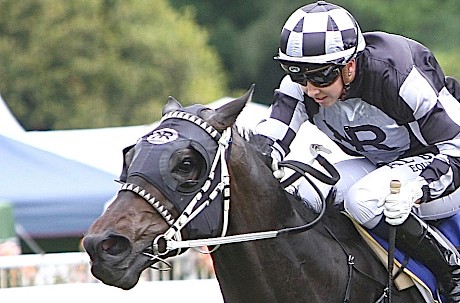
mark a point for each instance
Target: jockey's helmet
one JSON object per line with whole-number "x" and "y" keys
{"x": 320, "y": 33}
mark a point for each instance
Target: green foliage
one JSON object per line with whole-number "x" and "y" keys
{"x": 246, "y": 33}
{"x": 449, "y": 60}
{"x": 95, "y": 63}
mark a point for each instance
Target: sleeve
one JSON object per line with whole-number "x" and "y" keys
{"x": 435, "y": 123}
{"x": 286, "y": 115}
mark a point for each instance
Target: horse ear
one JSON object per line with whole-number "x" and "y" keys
{"x": 226, "y": 115}
{"x": 170, "y": 106}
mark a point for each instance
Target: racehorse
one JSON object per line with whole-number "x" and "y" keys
{"x": 197, "y": 177}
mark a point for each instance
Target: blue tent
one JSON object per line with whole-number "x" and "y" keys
{"x": 51, "y": 196}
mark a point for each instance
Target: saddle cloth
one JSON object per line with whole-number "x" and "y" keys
{"x": 414, "y": 273}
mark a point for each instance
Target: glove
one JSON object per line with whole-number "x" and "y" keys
{"x": 397, "y": 207}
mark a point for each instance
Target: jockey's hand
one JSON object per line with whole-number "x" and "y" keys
{"x": 268, "y": 153}
{"x": 397, "y": 207}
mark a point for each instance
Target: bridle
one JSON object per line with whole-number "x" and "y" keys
{"x": 172, "y": 237}
{"x": 173, "y": 234}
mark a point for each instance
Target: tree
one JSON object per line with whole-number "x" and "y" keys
{"x": 94, "y": 63}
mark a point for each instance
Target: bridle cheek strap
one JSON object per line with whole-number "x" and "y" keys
{"x": 190, "y": 212}
{"x": 163, "y": 211}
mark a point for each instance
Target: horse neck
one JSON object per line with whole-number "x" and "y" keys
{"x": 258, "y": 202}
{"x": 254, "y": 268}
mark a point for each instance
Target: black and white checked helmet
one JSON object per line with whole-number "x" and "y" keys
{"x": 320, "y": 33}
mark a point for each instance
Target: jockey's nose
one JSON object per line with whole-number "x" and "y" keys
{"x": 311, "y": 90}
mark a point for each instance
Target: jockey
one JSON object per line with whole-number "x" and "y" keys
{"x": 384, "y": 99}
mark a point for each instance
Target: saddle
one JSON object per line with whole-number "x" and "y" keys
{"x": 412, "y": 272}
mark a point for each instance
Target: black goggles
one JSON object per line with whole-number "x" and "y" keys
{"x": 320, "y": 76}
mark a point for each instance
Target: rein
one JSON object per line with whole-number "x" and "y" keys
{"x": 172, "y": 245}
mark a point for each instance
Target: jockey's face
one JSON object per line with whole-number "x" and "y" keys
{"x": 327, "y": 96}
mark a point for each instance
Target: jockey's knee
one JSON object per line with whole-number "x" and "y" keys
{"x": 361, "y": 203}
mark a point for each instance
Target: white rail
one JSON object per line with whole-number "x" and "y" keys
{"x": 60, "y": 268}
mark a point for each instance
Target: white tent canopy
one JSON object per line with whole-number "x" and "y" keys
{"x": 9, "y": 126}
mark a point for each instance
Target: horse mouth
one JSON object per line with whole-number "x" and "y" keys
{"x": 123, "y": 275}
{"x": 118, "y": 261}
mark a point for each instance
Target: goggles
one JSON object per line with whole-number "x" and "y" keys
{"x": 319, "y": 75}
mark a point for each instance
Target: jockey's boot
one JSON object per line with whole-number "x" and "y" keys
{"x": 429, "y": 246}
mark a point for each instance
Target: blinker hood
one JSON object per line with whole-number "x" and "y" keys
{"x": 151, "y": 161}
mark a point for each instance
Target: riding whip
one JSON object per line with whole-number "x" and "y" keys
{"x": 395, "y": 188}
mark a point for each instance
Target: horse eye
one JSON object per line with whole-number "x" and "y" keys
{"x": 185, "y": 166}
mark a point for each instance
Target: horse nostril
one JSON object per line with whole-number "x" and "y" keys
{"x": 115, "y": 245}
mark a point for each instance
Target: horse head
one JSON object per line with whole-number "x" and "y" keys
{"x": 176, "y": 171}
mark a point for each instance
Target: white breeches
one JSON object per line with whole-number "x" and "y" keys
{"x": 362, "y": 185}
